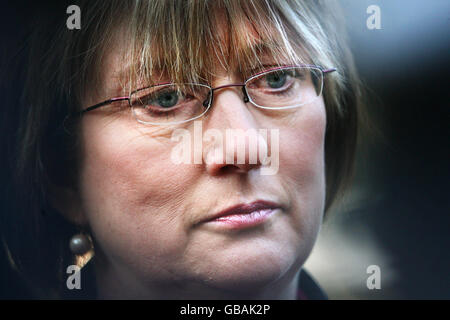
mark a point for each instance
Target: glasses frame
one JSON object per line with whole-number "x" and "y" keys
{"x": 209, "y": 101}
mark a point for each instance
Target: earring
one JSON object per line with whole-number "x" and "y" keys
{"x": 80, "y": 244}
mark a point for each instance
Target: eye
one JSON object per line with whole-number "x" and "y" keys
{"x": 167, "y": 99}
{"x": 276, "y": 80}
{"x": 169, "y": 102}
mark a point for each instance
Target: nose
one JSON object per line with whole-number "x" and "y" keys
{"x": 241, "y": 85}
{"x": 231, "y": 139}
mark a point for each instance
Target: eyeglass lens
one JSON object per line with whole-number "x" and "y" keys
{"x": 177, "y": 103}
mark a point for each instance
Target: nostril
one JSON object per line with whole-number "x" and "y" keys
{"x": 230, "y": 169}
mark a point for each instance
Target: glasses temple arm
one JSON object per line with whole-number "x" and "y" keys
{"x": 98, "y": 105}
{"x": 329, "y": 70}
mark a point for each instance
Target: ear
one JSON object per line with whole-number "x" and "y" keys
{"x": 67, "y": 202}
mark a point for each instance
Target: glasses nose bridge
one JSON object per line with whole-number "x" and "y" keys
{"x": 228, "y": 86}
{"x": 244, "y": 91}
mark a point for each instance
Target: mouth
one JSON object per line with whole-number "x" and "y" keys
{"x": 244, "y": 215}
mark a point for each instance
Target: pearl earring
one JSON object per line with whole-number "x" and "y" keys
{"x": 80, "y": 244}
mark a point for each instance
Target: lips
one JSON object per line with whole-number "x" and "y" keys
{"x": 248, "y": 214}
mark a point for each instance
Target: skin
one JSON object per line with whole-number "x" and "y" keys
{"x": 144, "y": 211}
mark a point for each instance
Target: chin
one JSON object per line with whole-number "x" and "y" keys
{"x": 248, "y": 273}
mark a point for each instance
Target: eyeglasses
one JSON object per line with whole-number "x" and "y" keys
{"x": 277, "y": 88}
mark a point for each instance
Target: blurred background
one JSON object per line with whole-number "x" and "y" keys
{"x": 397, "y": 215}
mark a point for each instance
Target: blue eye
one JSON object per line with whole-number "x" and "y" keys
{"x": 276, "y": 80}
{"x": 167, "y": 99}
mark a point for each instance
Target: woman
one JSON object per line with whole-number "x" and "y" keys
{"x": 107, "y": 109}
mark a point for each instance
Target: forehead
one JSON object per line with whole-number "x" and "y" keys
{"x": 225, "y": 40}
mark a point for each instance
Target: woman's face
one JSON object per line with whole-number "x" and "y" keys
{"x": 150, "y": 217}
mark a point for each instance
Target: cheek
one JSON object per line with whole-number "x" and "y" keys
{"x": 302, "y": 165}
{"x": 127, "y": 176}
{"x": 302, "y": 143}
